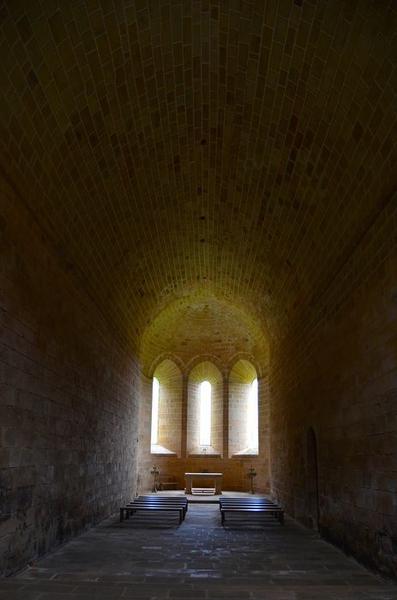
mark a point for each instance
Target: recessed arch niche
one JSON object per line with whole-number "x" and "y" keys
{"x": 170, "y": 381}
{"x": 242, "y": 400}
{"x": 203, "y": 372}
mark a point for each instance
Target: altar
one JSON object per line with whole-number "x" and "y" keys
{"x": 217, "y": 477}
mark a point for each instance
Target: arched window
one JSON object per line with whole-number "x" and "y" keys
{"x": 205, "y": 414}
{"x": 243, "y": 410}
{"x": 205, "y": 411}
{"x": 252, "y": 417}
{"x": 155, "y": 412}
{"x": 166, "y": 409}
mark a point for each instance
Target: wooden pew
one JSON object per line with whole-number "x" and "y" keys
{"x": 260, "y": 501}
{"x": 155, "y": 503}
{"x": 177, "y": 500}
{"x": 133, "y": 507}
{"x": 250, "y": 505}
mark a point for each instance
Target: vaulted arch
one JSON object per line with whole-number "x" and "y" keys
{"x": 204, "y": 325}
{"x": 211, "y": 182}
{"x": 169, "y": 378}
{"x": 243, "y": 409}
{"x": 205, "y": 372}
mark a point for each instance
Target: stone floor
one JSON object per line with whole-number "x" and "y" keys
{"x": 145, "y": 558}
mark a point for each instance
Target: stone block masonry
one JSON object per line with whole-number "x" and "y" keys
{"x": 68, "y": 405}
{"x": 235, "y": 469}
{"x": 337, "y": 374}
{"x": 212, "y": 181}
{"x": 199, "y": 560}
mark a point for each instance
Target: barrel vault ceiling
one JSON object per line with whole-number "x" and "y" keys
{"x": 182, "y": 150}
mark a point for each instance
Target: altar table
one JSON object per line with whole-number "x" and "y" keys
{"x": 217, "y": 477}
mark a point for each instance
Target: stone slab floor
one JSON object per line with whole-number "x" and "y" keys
{"x": 145, "y": 558}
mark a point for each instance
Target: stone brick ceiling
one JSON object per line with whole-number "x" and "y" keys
{"x": 235, "y": 150}
{"x": 197, "y": 325}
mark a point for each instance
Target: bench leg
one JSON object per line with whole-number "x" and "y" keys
{"x": 222, "y": 518}
{"x": 281, "y": 518}
{"x": 121, "y": 515}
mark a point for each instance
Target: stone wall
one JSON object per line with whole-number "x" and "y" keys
{"x": 235, "y": 469}
{"x": 240, "y": 381}
{"x": 337, "y": 374}
{"x": 145, "y": 459}
{"x": 68, "y": 403}
{"x": 170, "y": 405}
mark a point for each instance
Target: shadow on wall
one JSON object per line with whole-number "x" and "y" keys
{"x": 312, "y": 490}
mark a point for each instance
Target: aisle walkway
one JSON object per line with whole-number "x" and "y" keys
{"x": 199, "y": 560}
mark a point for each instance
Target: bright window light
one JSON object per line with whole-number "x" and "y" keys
{"x": 155, "y": 412}
{"x": 205, "y": 413}
{"x": 252, "y": 417}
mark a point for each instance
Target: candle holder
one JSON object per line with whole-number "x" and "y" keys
{"x": 252, "y": 475}
{"x": 155, "y": 472}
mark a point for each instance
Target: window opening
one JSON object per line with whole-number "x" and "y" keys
{"x": 252, "y": 417}
{"x": 155, "y": 411}
{"x": 205, "y": 414}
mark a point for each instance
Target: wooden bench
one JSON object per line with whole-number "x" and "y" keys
{"x": 155, "y": 503}
{"x": 236, "y": 503}
{"x": 250, "y": 505}
{"x": 157, "y": 497}
{"x": 248, "y": 500}
{"x": 130, "y": 509}
{"x": 253, "y": 501}
{"x": 178, "y": 500}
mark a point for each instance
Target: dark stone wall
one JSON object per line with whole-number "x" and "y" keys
{"x": 68, "y": 399}
{"x": 336, "y": 374}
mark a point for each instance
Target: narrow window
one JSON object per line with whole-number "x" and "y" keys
{"x": 155, "y": 412}
{"x": 205, "y": 413}
{"x": 252, "y": 417}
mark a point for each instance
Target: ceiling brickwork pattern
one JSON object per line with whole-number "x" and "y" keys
{"x": 236, "y": 150}
{"x": 193, "y": 327}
